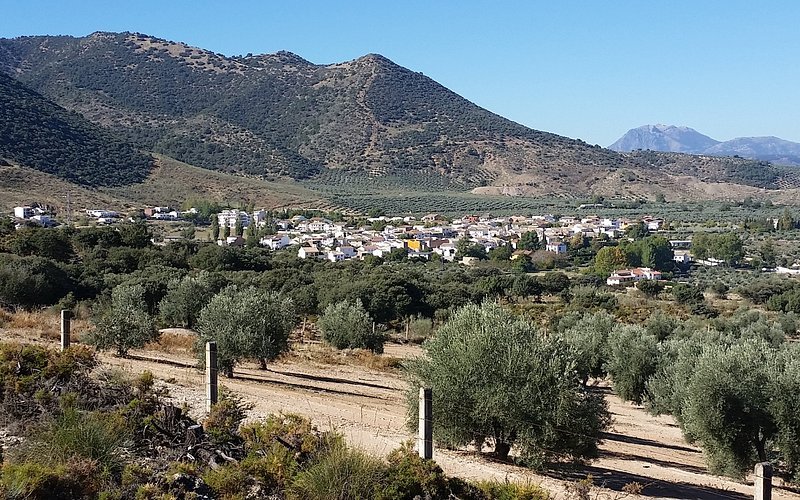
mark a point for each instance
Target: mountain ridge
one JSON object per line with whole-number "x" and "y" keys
{"x": 671, "y": 138}
{"x": 281, "y": 116}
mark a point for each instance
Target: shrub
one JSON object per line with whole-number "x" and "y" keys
{"x": 31, "y": 281}
{"x": 222, "y": 422}
{"x": 77, "y": 478}
{"x": 347, "y": 325}
{"x": 650, "y": 288}
{"x": 687, "y": 294}
{"x": 495, "y": 378}
{"x": 506, "y": 490}
{"x": 340, "y": 473}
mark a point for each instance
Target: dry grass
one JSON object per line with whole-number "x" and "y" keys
{"x": 325, "y": 355}
{"x": 173, "y": 342}
{"x": 44, "y": 324}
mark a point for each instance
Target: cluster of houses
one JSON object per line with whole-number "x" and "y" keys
{"x": 321, "y": 238}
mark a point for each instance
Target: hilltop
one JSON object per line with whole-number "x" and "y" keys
{"x": 279, "y": 116}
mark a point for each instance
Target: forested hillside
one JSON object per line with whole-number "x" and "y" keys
{"x": 40, "y": 134}
{"x": 278, "y": 115}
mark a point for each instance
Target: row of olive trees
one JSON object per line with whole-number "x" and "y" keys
{"x": 732, "y": 384}
{"x": 246, "y": 322}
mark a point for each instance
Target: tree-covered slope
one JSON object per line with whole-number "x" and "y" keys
{"x": 280, "y": 115}
{"x": 40, "y": 134}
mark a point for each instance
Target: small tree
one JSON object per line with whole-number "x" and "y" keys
{"x": 186, "y": 297}
{"x": 214, "y": 227}
{"x": 496, "y": 379}
{"x": 727, "y": 407}
{"x": 347, "y": 325}
{"x": 587, "y": 338}
{"x": 529, "y": 240}
{"x": 245, "y": 323}
{"x": 125, "y": 324}
{"x": 632, "y": 360}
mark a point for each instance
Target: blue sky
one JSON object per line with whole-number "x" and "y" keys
{"x": 585, "y": 69}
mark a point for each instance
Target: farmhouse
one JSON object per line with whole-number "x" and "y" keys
{"x": 624, "y": 276}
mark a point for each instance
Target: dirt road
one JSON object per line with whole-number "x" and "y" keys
{"x": 368, "y": 407}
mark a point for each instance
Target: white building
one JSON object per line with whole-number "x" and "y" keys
{"x": 275, "y": 242}
{"x": 623, "y": 276}
{"x": 23, "y": 212}
{"x": 229, "y": 217}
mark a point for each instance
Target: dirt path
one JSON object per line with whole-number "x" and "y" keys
{"x": 368, "y": 408}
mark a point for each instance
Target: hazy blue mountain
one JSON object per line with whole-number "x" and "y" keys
{"x": 664, "y": 138}
{"x": 687, "y": 140}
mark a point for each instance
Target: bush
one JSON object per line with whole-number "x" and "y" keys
{"x": 346, "y": 325}
{"x": 222, "y": 422}
{"x": 650, "y": 288}
{"x": 687, "y": 294}
{"x": 507, "y": 490}
{"x": 77, "y": 478}
{"x": 495, "y": 378}
{"x": 340, "y": 473}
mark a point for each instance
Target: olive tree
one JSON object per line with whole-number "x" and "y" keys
{"x": 587, "y": 338}
{"x": 727, "y": 405}
{"x": 785, "y": 407}
{"x": 496, "y": 380}
{"x": 186, "y": 297}
{"x": 347, "y": 325}
{"x": 246, "y": 323}
{"x": 631, "y": 360}
{"x": 125, "y": 324}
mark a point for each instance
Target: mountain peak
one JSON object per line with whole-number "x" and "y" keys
{"x": 681, "y": 139}
{"x": 660, "y": 137}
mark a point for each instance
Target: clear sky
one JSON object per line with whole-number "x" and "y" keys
{"x": 586, "y": 69}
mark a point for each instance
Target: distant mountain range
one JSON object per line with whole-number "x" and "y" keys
{"x": 337, "y": 129}
{"x": 687, "y": 140}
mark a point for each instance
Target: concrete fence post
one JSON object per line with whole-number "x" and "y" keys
{"x": 763, "y": 481}
{"x": 65, "y": 328}
{"x": 211, "y": 375}
{"x": 425, "y": 444}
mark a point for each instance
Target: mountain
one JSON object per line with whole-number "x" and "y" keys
{"x": 664, "y": 138}
{"x": 40, "y": 134}
{"x": 341, "y": 129}
{"x": 772, "y": 149}
{"x": 687, "y": 140}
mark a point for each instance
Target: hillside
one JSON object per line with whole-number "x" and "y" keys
{"x": 670, "y": 138}
{"x": 168, "y": 183}
{"x": 278, "y": 116}
{"x": 40, "y": 134}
